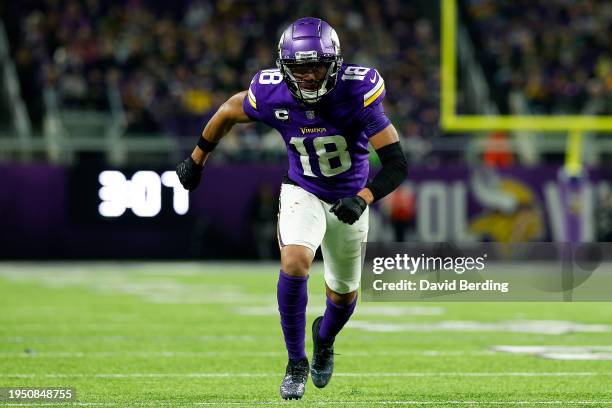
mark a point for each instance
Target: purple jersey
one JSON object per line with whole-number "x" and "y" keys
{"x": 327, "y": 142}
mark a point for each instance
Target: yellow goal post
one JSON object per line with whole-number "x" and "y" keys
{"x": 450, "y": 121}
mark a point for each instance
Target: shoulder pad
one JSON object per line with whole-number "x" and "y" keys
{"x": 263, "y": 83}
{"x": 365, "y": 83}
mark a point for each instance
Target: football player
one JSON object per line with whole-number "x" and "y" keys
{"x": 327, "y": 112}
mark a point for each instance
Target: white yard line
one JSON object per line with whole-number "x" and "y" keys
{"x": 550, "y": 327}
{"x": 526, "y": 349}
{"x": 324, "y": 402}
{"x": 558, "y": 352}
{"x": 203, "y": 354}
{"x": 144, "y": 267}
{"x": 362, "y": 374}
{"x": 62, "y": 339}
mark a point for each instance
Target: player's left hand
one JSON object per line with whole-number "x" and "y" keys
{"x": 349, "y": 209}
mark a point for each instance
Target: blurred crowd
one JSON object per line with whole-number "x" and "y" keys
{"x": 175, "y": 63}
{"x": 557, "y": 54}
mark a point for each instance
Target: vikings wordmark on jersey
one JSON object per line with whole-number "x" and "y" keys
{"x": 327, "y": 142}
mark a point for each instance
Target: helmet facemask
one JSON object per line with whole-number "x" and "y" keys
{"x": 293, "y": 73}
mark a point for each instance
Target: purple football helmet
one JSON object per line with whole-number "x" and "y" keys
{"x": 309, "y": 44}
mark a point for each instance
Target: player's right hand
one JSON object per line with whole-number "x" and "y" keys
{"x": 189, "y": 173}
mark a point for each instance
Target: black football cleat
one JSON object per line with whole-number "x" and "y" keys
{"x": 322, "y": 357}
{"x": 296, "y": 376}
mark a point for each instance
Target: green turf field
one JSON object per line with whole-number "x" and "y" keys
{"x": 170, "y": 334}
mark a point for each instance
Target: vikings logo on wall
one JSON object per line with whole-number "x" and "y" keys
{"x": 476, "y": 204}
{"x": 511, "y": 210}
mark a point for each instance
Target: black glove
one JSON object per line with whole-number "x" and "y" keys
{"x": 349, "y": 209}
{"x": 189, "y": 173}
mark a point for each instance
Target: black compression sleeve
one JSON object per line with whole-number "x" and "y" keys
{"x": 393, "y": 172}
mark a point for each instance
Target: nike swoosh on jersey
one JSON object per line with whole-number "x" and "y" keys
{"x": 374, "y": 79}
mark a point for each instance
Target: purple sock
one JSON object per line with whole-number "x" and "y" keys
{"x": 334, "y": 319}
{"x": 292, "y": 298}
